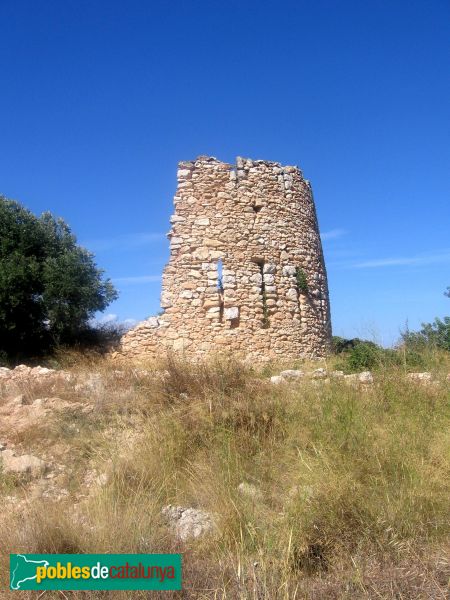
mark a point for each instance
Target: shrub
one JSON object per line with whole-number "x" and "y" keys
{"x": 340, "y": 344}
{"x": 365, "y": 355}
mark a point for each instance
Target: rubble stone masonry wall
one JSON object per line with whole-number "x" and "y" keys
{"x": 246, "y": 272}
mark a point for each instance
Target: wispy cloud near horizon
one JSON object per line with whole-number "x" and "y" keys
{"x": 129, "y": 240}
{"x": 332, "y": 234}
{"x": 412, "y": 261}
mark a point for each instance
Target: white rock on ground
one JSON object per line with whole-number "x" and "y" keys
{"x": 188, "y": 523}
{"x": 276, "y": 379}
{"x": 22, "y": 465}
{"x": 365, "y": 377}
{"x": 320, "y": 373}
{"x": 337, "y": 374}
{"x": 292, "y": 374}
{"x": 421, "y": 377}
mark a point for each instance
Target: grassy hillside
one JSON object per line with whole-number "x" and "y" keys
{"x": 346, "y": 486}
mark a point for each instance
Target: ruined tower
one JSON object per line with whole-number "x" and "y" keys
{"x": 246, "y": 273}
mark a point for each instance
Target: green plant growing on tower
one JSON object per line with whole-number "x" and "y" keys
{"x": 302, "y": 284}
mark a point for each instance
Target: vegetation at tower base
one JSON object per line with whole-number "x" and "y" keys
{"x": 49, "y": 286}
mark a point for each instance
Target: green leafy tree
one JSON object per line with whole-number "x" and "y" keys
{"x": 435, "y": 334}
{"x": 49, "y": 286}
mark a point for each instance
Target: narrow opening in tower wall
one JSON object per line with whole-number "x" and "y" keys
{"x": 220, "y": 288}
{"x": 265, "y": 320}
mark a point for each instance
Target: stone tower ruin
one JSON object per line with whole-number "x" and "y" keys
{"x": 246, "y": 273}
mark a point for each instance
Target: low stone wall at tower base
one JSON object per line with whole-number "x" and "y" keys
{"x": 148, "y": 340}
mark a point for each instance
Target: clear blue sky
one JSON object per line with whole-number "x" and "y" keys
{"x": 100, "y": 100}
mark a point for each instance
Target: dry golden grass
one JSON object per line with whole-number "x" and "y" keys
{"x": 354, "y": 485}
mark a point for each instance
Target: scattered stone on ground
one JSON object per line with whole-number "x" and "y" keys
{"x": 424, "y": 377}
{"x": 39, "y": 463}
{"x": 292, "y": 374}
{"x": 16, "y": 415}
{"x": 26, "y": 464}
{"x": 365, "y": 377}
{"x": 337, "y": 374}
{"x": 319, "y": 373}
{"x": 188, "y": 523}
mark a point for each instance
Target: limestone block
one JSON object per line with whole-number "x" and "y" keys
{"x": 292, "y": 374}
{"x": 177, "y": 219}
{"x": 269, "y": 268}
{"x": 166, "y": 300}
{"x": 211, "y": 302}
{"x": 152, "y": 322}
{"x": 231, "y": 313}
{"x": 201, "y": 254}
{"x": 365, "y": 377}
{"x": 289, "y": 270}
{"x": 181, "y": 344}
{"x": 256, "y": 278}
{"x": 209, "y": 266}
{"x": 210, "y": 243}
{"x": 228, "y": 279}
